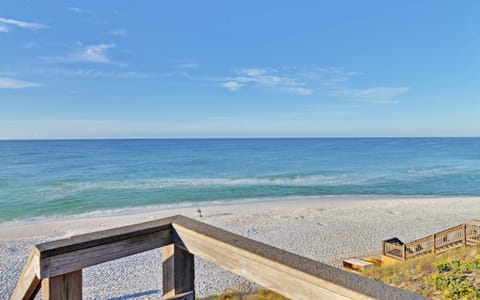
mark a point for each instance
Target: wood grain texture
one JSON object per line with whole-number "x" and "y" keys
{"x": 59, "y": 263}
{"x": 64, "y": 287}
{"x": 103, "y": 237}
{"x": 78, "y": 259}
{"x": 29, "y": 282}
{"x": 178, "y": 273}
{"x": 291, "y": 275}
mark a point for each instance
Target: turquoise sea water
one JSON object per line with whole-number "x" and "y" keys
{"x": 45, "y": 178}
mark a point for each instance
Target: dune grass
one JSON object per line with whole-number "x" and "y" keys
{"x": 236, "y": 295}
{"x": 451, "y": 275}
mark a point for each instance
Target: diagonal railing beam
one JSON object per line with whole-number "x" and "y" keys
{"x": 58, "y": 265}
{"x": 288, "y": 274}
{"x": 29, "y": 283}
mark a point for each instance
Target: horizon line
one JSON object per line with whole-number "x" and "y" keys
{"x": 234, "y": 138}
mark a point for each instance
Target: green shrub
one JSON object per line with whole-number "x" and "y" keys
{"x": 451, "y": 287}
{"x": 459, "y": 266}
{"x": 451, "y": 275}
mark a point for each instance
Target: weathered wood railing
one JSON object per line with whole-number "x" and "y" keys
{"x": 393, "y": 248}
{"x": 461, "y": 235}
{"x": 56, "y": 267}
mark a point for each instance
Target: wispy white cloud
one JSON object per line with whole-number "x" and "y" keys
{"x": 328, "y": 77}
{"x": 94, "y": 53}
{"x": 231, "y": 85}
{"x": 331, "y": 81}
{"x": 254, "y": 72}
{"x": 79, "y": 10}
{"x": 376, "y": 95}
{"x": 10, "y": 83}
{"x": 266, "y": 78}
{"x": 95, "y": 73}
{"x": 79, "y": 72}
{"x": 7, "y": 25}
{"x": 301, "y": 91}
{"x": 88, "y": 54}
{"x": 122, "y": 33}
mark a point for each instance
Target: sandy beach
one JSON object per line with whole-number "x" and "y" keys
{"x": 326, "y": 229}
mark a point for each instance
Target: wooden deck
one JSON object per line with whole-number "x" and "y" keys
{"x": 56, "y": 267}
{"x": 458, "y": 236}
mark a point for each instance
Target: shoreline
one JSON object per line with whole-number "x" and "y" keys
{"x": 326, "y": 229}
{"x": 216, "y": 204}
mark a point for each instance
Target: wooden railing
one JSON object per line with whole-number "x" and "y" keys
{"x": 56, "y": 267}
{"x": 461, "y": 235}
{"x": 393, "y": 248}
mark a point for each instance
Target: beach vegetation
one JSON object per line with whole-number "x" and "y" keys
{"x": 451, "y": 275}
{"x": 261, "y": 294}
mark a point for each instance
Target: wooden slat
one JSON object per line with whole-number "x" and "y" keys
{"x": 29, "y": 282}
{"x": 419, "y": 247}
{"x": 286, "y": 273}
{"x": 79, "y": 259}
{"x": 63, "y": 287}
{"x": 68, "y": 255}
{"x": 473, "y": 232}
{"x": 178, "y": 273}
{"x": 393, "y": 250}
{"x": 449, "y": 237}
{"x": 103, "y": 237}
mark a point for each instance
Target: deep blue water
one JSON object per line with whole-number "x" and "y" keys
{"x": 43, "y": 178}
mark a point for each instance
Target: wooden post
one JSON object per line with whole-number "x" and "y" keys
{"x": 404, "y": 252}
{"x": 178, "y": 273}
{"x": 28, "y": 284}
{"x": 434, "y": 246}
{"x": 465, "y": 234}
{"x": 63, "y": 287}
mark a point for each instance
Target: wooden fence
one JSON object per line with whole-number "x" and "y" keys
{"x": 461, "y": 235}
{"x": 56, "y": 267}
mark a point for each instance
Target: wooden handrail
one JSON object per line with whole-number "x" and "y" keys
{"x": 456, "y": 236}
{"x": 78, "y": 252}
{"x": 58, "y": 264}
{"x": 287, "y": 273}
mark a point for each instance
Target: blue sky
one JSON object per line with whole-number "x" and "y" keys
{"x": 113, "y": 69}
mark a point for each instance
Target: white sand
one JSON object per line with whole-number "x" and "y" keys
{"x": 322, "y": 228}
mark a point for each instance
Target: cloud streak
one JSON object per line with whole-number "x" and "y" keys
{"x": 95, "y": 54}
{"x": 266, "y": 78}
{"x": 87, "y": 54}
{"x": 331, "y": 81}
{"x": 7, "y": 25}
{"x": 78, "y": 10}
{"x": 80, "y": 72}
{"x": 376, "y": 95}
{"x": 10, "y": 83}
{"x": 94, "y": 73}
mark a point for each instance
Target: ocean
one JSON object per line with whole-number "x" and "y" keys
{"x": 68, "y": 177}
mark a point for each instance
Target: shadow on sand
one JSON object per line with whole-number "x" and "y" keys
{"x": 136, "y": 295}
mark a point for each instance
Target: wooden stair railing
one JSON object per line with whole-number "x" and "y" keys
{"x": 457, "y": 236}
{"x": 56, "y": 267}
